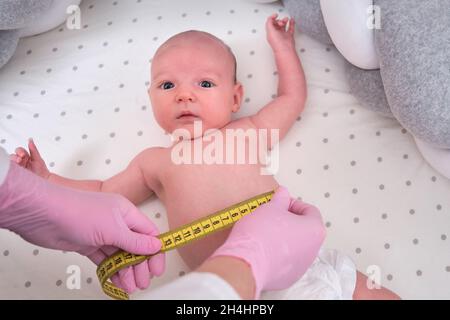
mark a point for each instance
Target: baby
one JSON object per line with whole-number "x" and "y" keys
{"x": 193, "y": 80}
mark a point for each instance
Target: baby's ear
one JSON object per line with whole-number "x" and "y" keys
{"x": 238, "y": 93}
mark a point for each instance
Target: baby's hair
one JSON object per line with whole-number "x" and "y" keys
{"x": 209, "y": 35}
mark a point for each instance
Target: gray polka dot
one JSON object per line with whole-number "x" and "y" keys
{"x": 105, "y": 43}
{"x": 381, "y": 186}
{"x": 22, "y": 72}
{"x": 351, "y": 137}
{"x": 299, "y": 171}
{"x": 384, "y": 216}
{"x": 2, "y": 141}
{"x": 302, "y": 50}
{"x": 43, "y": 92}
{"x": 298, "y": 144}
{"x": 299, "y": 118}
{"x": 299, "y": 198}
{"x": 249, "y": 76}
{"x": 116, "y": 109}
{"x": 419, "y": 273}
{"x": 61, "y": 29}
{"x": 29, "y": 52}
{"x": 443, "y": 237}
{"x": 208, "y": 13}
{"x": 358, "y": 250}
{"x": 144, "y": 108}
{"x": 327, "y": 194}
{"x": 36, "y": 115}
{"x": 328, "y": 49}
{"x": 328, "y": 224}
{"x": 16, "y": 94}
{"x": 355, "y": 191}
{"x": 231, "y": 11}
{"x": 147, "y": 83}
{"x": 252, "y": 52}
{"x": 58, "y": 283}
{"x": 63, "y": 114}
{"x": 438, "y": 207}
{"x": 107, "y": 161}
{"x": 95, "y": 88}
{"x": 412, "y": 211}
{"x": 159, "y": 17}
{"x": 325, "y": 140}
{"x": 130, "y": 40}
{"x": 274, "y": 96}
{"x": 100, "y": 65}
{"x": 253, "y": 30}
{"x": 387, "y": 246}
{"x": 126, "y": 62}
{"x": 327, "y": 70}
{"x": 230, "y": 32}
{"x": 184, "y": 15}
{"x": 69, "y": 90}
{"x": 49, "y": 70}
{"x": 447, "y": 268}
{"x": 326, "y": 167}
{"x": 139, "y": 133}
{"x": 91, "y": 6}
{"x": 9, "y": 116}
{"x": 79, "y": 163}
{"x": 325, "y": 114}
{"x": 158, "y": 215}
{"x": 57, "y": 138}
{"x": 280, "y": 10}
{"x": 27, "y": 284}
{"x": 6, "y": 253}
{"x": 415, "y": 241}
{"x": 110, "y": 23}
{"x": 389, "y": 277}
{"x": 85, "y": 26}
{"x": 352, "y": 111}
{"x": 255, "y": 11}
{"x": 326, "y": 91}
{"x": 275, "y": 73}
{"x": 84, "y": 136}
{"x": 134, "y": 20}
{"x": 378, "y": 133}
{"x": 114, "y": 3}
{"x": 74, "y": 68}
{"x": 55, "y": 49}
{"x": 181, "y": 273}
{"x": 155, "y": 38}
{"x": 408, "y": 183}
{"x": 403, "y": 131}
{"x": 355, "y": 220}
{"x": 52, "y": 164}
{"x": 112, "y": 134}
{"x": 433, "y": 178}
{"x": 121, "y": 85}
{"x": 247, "y": 100}
{"x": 353, "y": 163}
{"x": 379, "y": 159}
{"x": 405, "y": 156}
{"x": 80, "y": 47}
{"x": 35, "y": 252}
{"x": 89, "y": 280}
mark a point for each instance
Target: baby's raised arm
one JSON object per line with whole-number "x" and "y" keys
{"x": 282, "y": 112}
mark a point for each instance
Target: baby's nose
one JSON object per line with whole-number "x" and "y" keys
{"x": 185, "y": 96}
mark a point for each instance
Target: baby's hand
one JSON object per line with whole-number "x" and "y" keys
{"x": 278, "y": 36}
{"x": 31, "y": 161}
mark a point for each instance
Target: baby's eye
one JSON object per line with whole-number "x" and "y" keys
{"x": 206, "y": 84}
{"x": 167, "y": 85}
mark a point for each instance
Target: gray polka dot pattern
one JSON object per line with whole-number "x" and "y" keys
{"x": 80, "y": 95}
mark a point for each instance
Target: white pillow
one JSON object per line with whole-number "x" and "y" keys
{"x": 55, "y": 16}
{"x": 346, "y": 22}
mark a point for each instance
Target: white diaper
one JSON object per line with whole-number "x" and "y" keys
{"x": 332, "y": 276}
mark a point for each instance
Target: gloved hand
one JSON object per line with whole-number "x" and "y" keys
{"x": 92, "y": 224}
{"x": 279, "y": 241}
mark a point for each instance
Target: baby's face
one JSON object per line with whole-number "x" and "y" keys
{"x": 193, "y": 80}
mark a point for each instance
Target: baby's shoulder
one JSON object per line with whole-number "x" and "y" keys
{"x": 153, "y": 156}
{"x": 241, "y": 123}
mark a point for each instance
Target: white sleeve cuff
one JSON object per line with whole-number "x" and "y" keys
{"x": 193, "y": 286}
{"x": 347, "y": 24}
{"x": 4, "y": 165}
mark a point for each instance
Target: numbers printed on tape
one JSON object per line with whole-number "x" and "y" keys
{"x": 177, "y": 238}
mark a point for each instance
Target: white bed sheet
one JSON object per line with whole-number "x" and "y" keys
{"x": 81, "y": 94}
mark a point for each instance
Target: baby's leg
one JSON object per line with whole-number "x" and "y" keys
{"x": 362, "y": 292}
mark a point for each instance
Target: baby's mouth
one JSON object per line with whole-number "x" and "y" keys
{"x": 187, "y": 115}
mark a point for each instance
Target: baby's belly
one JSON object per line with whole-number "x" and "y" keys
{"x": 193, "y": 192}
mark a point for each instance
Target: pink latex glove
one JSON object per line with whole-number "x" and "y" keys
{"x": 92, "y": 224}
{"x": 279, "y": 241}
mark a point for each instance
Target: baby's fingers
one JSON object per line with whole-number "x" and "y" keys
{"x": 21, "y": 152}
{"x": 35, "y": 155}
{"x": 291, "y": 28}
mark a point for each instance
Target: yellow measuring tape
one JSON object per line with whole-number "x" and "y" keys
{"x": 174, "y": 239}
